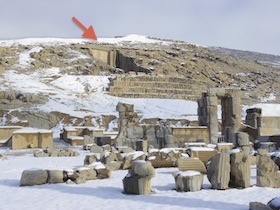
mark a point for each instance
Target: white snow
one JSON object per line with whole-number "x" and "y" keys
{"x": 108, "y": 193}
{"x": 31, "y": 130}
{"x": 271, "y": 97}
{"x": 188, "y": 173}
{"x": 132, "y": 38}
{"x": 201, "y": 149}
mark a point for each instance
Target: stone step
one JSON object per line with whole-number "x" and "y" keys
{"x": 157, "y": 79}
{"x": 154, "y": 90}
{"x": 157, "y": 85}
{"x": 157, "y": 95}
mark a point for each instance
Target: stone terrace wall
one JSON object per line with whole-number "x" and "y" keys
{"x": 146, "y": 86}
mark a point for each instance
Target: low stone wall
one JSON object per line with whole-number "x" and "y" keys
{"x": 190, "y": 134}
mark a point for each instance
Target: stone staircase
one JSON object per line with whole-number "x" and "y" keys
{"x": 146, "y": 86}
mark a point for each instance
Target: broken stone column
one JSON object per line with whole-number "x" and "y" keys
{"x": 240, "y": 170}
{"x": 188, "y": 181}
{"x": 268, "y": 174}
{"x": 212, "y": 117}
{"x": 138, "y": 179}
{"x": 218, "y": 171}
{"x": 127, "y": 118}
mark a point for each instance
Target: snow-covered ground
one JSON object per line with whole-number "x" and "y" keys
{"x": 107, "y": 193}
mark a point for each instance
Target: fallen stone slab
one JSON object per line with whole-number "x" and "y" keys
{"x": 33, "y": 177}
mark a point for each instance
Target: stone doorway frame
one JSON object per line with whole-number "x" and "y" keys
{"x": 231, "y": 112}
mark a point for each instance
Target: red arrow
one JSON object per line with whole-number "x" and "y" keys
{"x": 88, "y": 32}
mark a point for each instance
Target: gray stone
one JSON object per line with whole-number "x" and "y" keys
{"x": 262, "y": 152}
{"x": 218, "y": 171}
{"x": 106, "y": 147}
{"x": 102, "y": 140}
{"x": 16, "y": 102}
{"x": 258, "y": 206}
{"x": 109, "y": 157}
{"x": 114, "y": 166}
{"x": 240, "y": 170}
{"x": 242, "y": 139}
{"x": 103, "y": 173}
{"x": 267, "y": 172}
{"x": 90, "y": 159}
{"x": 124, "y": 149}
{"x": 88, "y": 140}
{"x": 274, "y": 203}
{"x": 142, "y": 145}
{"x": 82, "y": 174}
{"x": 122, "y": 107}
{"x": 138, "y": 179}
{"x": 128, "y": 160}
{"x": 188, "y": 181}
{"x": 56, "y": 176}
{"x": 33, "y": 177}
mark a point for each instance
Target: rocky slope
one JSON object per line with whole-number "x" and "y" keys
{"x": 49, "y": 81}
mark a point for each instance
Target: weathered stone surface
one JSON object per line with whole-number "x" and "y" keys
{"x": 129, "y": 158}
{"x": 103, "y": 173}
{"x": 124, "y": 149}
{"x": 218, "y": 171}
{"x": 114, "y": 166}
{"x": 240, "y": 170}
{"x": 267, "y": 172}
{"x": 102, "y": 140}
{"x": 56, "y": 176}
{"x": 97, "y": 149}
{"x": 164, "y": 158}
{"x": 82, "y": 174}
{"x": 123, "y": 107}
{"x": 88, "y": 140}
{"x": 242, "y": 139}
{"x": 109, "y": 157}
{"x": 188, "y": 181}
{"x": 276, "y": 159}
{"x": 33, "y": 177}
{"x": 258, "y": 206}
{"x": 106, "y": 147}
{"x": 90, "y": 159}
{"x": 138, "y": 179}
{"x": 274, "y": 203}
{"x": 191, "y": 164}
{"x": 142, "y": 145}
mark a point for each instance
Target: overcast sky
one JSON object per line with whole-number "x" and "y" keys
{"x": 239, "y": 24}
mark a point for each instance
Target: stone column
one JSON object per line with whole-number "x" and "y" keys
{"x": 212, "y": 117}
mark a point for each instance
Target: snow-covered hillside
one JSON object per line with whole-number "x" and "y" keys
{"x": 83, "y": 95}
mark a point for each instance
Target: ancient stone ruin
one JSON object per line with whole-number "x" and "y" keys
{"x": 231, "y": 112}
{"x": 188, "y": 181}
{"x": 138, "y": 179}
